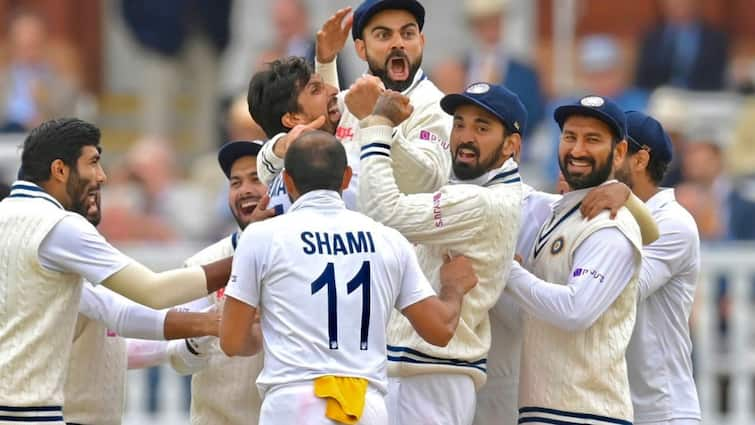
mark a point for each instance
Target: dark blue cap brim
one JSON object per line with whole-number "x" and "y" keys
{"x": 450, "y": 102}
{"x": 232, "y": 151}
{"x": 411, "y": 6}
{"x": 564, "y": 112}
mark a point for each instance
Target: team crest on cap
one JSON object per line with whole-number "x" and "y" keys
{"x": 478, "y": 88}
{"x": 592, "y": 101}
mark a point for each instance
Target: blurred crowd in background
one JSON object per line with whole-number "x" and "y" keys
{"x": 166, "y": 82}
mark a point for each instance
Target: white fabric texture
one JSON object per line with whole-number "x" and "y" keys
{"x": 309, "y": 268}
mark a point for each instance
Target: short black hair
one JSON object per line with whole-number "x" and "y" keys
{"x": 61, "y": 138}
{"x": 275, "y": 91}
{"x": 316, "y": 160}
{"x": 656, "y": 168}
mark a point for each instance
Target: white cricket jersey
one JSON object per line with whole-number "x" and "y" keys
{"x": 659, "y": 353}
{"x": 479, "y": 220}
{"x": 37, "y": 310}
{"x": 52, "y": 249}
{"x": 96, "y": 380}
{"x": 422, "y": 162}
{"x": 325, "y": 280}
{"x": 580, "y": 308}
{"x": 497, "y": 399}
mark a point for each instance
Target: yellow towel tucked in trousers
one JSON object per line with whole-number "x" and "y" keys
{"x": 344, "y": 397}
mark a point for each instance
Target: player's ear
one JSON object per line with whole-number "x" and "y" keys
{"x": 288, "y": 181}
{"x": 59, "y": 170}
{"x": 290, "y": 120}
{"x": 347, "y": 174}
{"x": 512, "y": 146}
{"x": 619, "y": 153}
{"x": 361, "y": 49}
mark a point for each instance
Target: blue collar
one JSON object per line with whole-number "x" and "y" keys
{"x": 25, "y": 189}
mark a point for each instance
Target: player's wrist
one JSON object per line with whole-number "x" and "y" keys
{"x": 375, "y": 121}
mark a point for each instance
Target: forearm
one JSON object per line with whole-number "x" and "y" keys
{"x": 245, "y": 345}
{"x": 143, "y": 353}
{"x": 268, "y": 163}
{"x": 185, "y": 324}
{"x": 328, "y": 71}
{"x": 166, "y": 289}
{"x": 451, "y": 299}
{"x": 641, "y": 214}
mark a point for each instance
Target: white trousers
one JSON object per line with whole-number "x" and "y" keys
{"x": 497, "y": 402}
{"x": 297, "y": 404}
{"x": 432, "y": 399}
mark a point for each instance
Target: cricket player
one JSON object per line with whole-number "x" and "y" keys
{"x": 580, "y": 299}
{"x": 222, "y": 388}
{"x": 476, "y": 215}
{"x": 46, "y": 249}
{"x": 659, "y": 354}
{"x": 388, "y": 36}
{"x": 497, "y": 400}
{"x": 324, "y": 281}
{"x": 94, "y": 388}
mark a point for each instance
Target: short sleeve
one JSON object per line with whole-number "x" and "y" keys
{"x": 414, "y": 285}
{"x": 244, "y": 283}
{"x": 74, "y": 245}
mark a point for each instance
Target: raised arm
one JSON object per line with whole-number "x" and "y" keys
{"x": 453, "y": 212}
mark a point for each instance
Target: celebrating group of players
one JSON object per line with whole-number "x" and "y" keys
{"x": 373, "y": 278}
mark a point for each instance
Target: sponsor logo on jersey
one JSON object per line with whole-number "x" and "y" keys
{"x": 587, "y": 272}
{"x": 220, "y": 293}
{"x": 344, "y": 133}
{"x": 432, "y": 137}
{"x": 436, "y": 210}
{"x": 110, "y": 333}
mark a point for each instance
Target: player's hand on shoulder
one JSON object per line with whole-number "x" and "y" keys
{"x": 610, "y": 197}
{"x": 394, "y": 106}
{"x": 261, "y": 212}
{"x": 458, "y": 272}
{"x": 333, "y": 35}
{"x": 363, "y": 95}
{"x": 281, "y": 145}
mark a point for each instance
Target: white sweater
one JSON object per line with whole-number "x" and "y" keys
{"x": 37, "y": 310}
{"x": 224, "y": 392}
{"x": 477, "y": 221}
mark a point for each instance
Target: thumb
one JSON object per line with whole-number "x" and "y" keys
{"x": 446, "y": 258}
{"x": 262, "y": 205}
{"x": 317, "y": 122}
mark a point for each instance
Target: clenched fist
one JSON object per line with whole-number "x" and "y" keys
{"x": 394, "y": 106}
{"x": 363, "y": 95}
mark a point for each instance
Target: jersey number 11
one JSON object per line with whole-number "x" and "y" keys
{"x": 328, "y": 280}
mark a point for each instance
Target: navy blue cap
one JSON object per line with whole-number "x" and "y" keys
{"x": 370, "y": 8}
{"x": 496, "y": 99}
{"x": 232, "y": 151}
{"x": 645, "y": 132}
{"x": 598, "y": 107}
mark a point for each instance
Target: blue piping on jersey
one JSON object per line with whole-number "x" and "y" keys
{"x": 369, "y": 154}
{"x": 567, "y": 415}
{"x": 427, "y": 359}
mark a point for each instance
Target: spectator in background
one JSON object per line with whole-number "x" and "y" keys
{"x": 490, "y": 62}
{"x": 602, "y": 72}
{"x": 181, "y": 42}
{"x": 147, "y": 199}
{"x": 34, "y": 83}
{"x": 740, "y": 164}
{"x": 682, "y": 50}
{"x": 294, "y": 37}
{"x": 706, "y": 190}
{"x": 669, "y": 106}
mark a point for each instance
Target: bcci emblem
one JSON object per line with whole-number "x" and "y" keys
{"x": 592, "y": 101}
{"x": 557, "y": 245}
{"x": 478, "y": 88}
